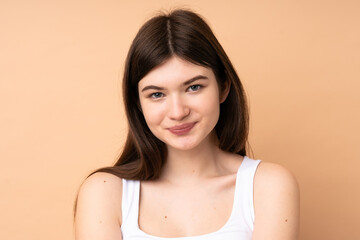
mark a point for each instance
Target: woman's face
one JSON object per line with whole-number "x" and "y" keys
{"x": 180, "y": 102}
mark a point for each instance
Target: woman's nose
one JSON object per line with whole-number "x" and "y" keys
{"x": 178, "y": 109}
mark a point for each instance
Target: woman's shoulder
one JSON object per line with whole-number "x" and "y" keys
{"x": 272, "y": 180}
{"x": 99, "y": 178}
{"x": 98, "y": 206}
{"x": 101, "y": 185}
{"x": 269, "y": 173}
{"x": 276, "y": 202}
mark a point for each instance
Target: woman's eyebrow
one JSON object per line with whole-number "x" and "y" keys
{"x": 152, "y": 87}
{"x": 194, "y": 79}
{"x": 185, "y": 83}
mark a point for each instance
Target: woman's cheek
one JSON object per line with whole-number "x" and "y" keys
{"x": 212, "y": 102}
{"x": 152, "y": 113}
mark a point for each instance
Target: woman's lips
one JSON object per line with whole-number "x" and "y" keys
{"x": 182, "y": 129}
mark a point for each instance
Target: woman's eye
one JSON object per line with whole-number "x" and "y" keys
{"x": 194, "y": 88}
{"x": 156, "y": 95}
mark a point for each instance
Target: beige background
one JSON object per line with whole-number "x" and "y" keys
{"x": 61, "y": 112}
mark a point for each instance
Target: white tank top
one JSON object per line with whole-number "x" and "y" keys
{"x": 239, "y": 226}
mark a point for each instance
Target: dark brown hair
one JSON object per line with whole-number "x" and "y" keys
{"x": 184, "y": 34}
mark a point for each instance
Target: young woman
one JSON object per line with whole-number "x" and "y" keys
{"x": 184, "y": 173}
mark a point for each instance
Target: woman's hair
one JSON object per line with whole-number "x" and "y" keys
{"x": 186, "y": 35}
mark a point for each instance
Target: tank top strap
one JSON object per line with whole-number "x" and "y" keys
{"x": 244, "y": 191}
{"x": 130, "y": 203}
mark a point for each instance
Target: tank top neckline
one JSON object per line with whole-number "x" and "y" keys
{"x": 235, "y": 205}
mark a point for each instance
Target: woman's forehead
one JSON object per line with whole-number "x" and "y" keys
{"x": 174, "y": 69}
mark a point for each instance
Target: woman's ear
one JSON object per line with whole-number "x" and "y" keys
{"x": 225, "y": 91}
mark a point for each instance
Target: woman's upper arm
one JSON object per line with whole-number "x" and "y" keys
{"x": 276, "y": 203}
{"x": 98, "y": 208}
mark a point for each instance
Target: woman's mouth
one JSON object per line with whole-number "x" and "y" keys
{"x": 182, "y": 129}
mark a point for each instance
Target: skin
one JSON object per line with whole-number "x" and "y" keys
{"x": 175, "y": 93}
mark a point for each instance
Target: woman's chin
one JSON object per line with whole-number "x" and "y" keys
{"x": 188, "y": 143}
{"x": 183, "y": 145}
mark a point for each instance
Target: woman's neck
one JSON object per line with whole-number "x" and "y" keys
{"x": 193, "y": 165}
